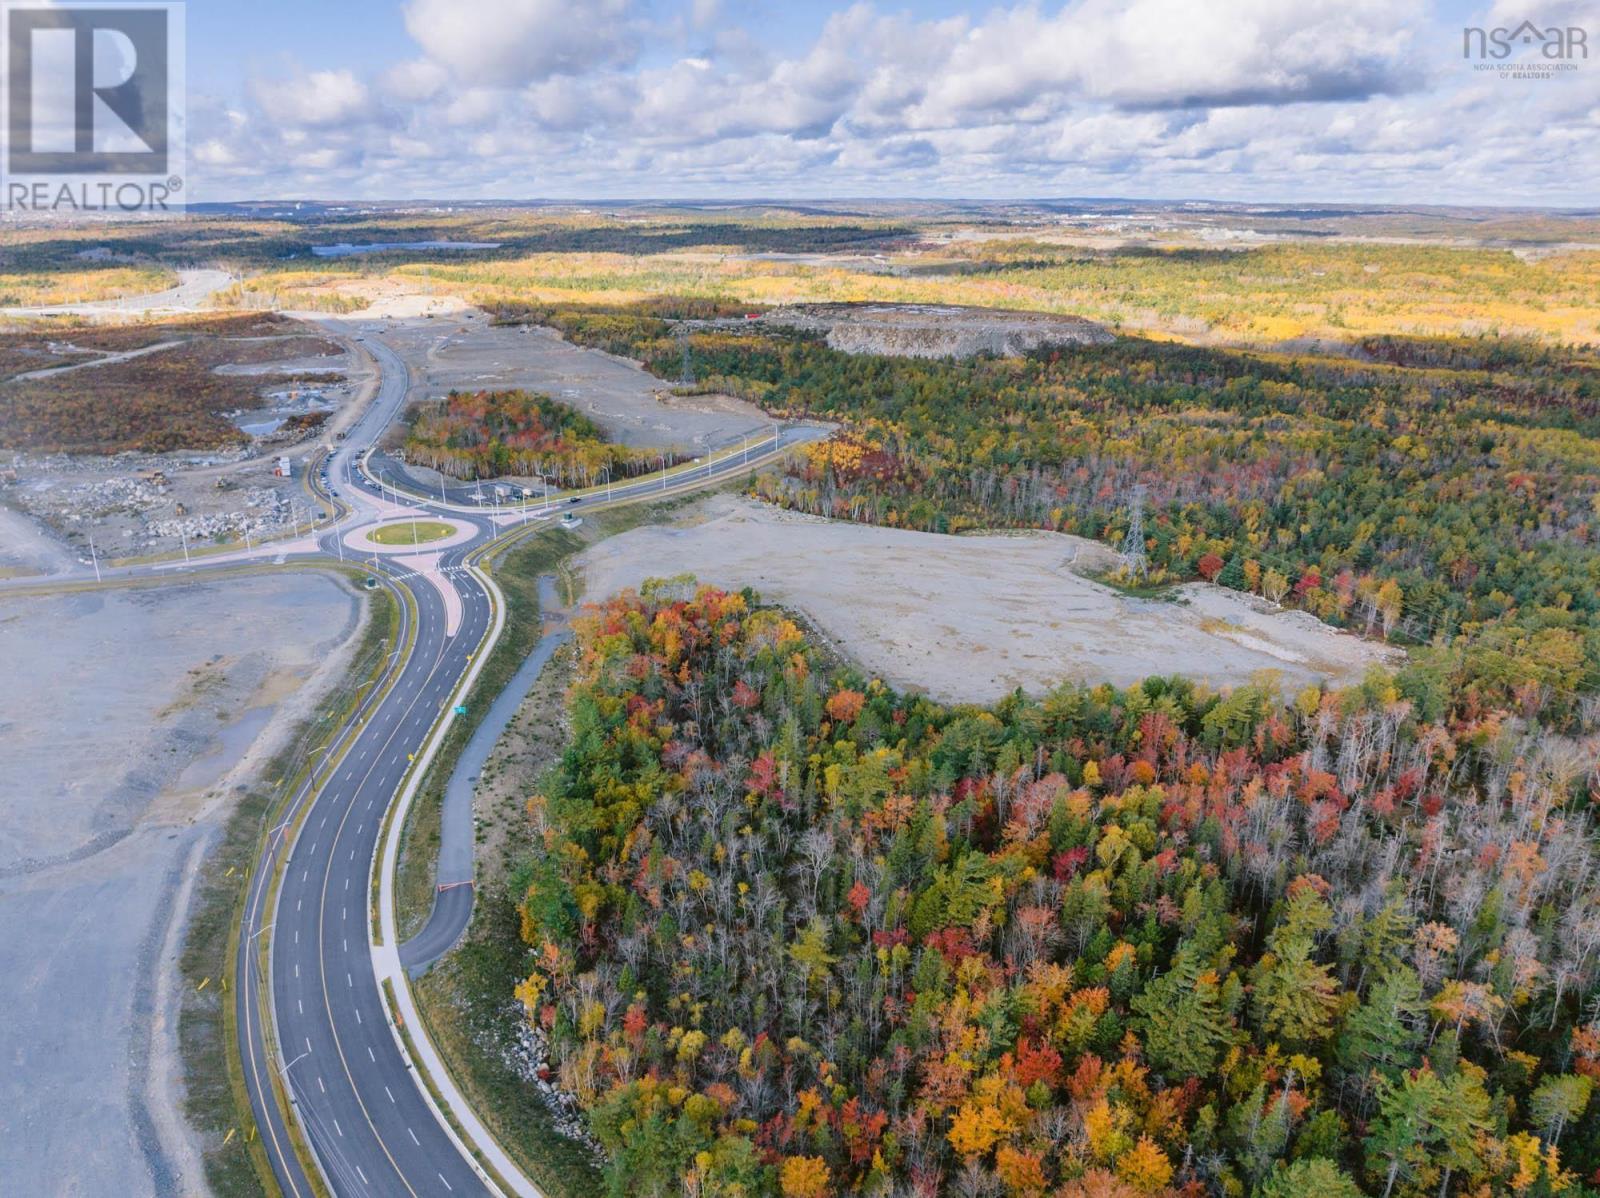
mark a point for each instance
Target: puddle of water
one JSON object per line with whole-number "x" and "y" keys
{"x": 260, "y": 428}
{"x": 231, "y": 743}
{"x": 345, "y": 248}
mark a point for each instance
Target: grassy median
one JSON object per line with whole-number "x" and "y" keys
{"x": 411, "y": 532}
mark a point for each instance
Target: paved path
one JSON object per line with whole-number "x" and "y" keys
{"x": 453, "y": 895}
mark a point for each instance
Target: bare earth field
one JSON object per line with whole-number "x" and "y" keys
{"x": 631, "y": 405}
{"x": 127, "y": 720}
{"x": 969, "y": 619}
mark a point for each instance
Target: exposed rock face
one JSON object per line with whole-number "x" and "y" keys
{"x": 937, "y": 330}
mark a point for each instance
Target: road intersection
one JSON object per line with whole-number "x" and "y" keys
{"x": 329, "y": 1055}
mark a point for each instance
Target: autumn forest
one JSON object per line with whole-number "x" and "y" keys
{"x": 793, "y": 933}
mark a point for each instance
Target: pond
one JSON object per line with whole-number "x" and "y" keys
{"x": 345, "y": 249}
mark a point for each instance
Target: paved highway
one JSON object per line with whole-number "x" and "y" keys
{"x": 313, "y": 1019}
{"x": 326, "y": 1038}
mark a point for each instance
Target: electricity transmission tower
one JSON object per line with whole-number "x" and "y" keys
{"x": 686, "y": 369}
{"x": 1135, "y": 561}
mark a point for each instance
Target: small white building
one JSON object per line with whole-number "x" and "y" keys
{"x": 284, "y": 468}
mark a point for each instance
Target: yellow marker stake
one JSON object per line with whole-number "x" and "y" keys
{"x": 202, "y": 986}
{"x": 229, "y": 1136}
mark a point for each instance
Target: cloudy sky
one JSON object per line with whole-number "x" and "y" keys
{"x": 1331, "y": 100}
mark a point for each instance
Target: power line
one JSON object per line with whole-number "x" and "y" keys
{"x": 686, "y": 366}
{"x": 1135, "y": 558}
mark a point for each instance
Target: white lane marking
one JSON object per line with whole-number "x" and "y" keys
{"x": 447, "y": 1185}
{"x": 320, "y": 1086}
{"x": 358, "y": 1017}
{"x": 413, "y": 1136}
{"x": 297, "y": 969}
{"x": 308, "y": 1043}
{"x": 348, "y": 981}
{"x": 338, "y": 1129}
{"x": 371, "y": 1055}
{"x": 297, "y": 903}
{"x": 389, "y": 1092}
{"x": 301, "y": 1005}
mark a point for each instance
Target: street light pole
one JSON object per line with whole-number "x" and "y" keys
{"x": 94, "y": 558}
{"x": 284, "y": 1071}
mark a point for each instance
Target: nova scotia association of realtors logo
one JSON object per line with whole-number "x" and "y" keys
{"x": 94, "y": 112}
{"x": 1526, "y": 51}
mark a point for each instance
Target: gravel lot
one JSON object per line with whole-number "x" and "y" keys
{"x": 969, "y": 619}
{"x": 128, "y": 718}
{"x": 632, "y": 406}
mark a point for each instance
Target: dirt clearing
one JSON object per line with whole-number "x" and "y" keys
{"x": 633, "y": 407}
{"x": 129, "y": 721}
{"x": 969, "y": 619}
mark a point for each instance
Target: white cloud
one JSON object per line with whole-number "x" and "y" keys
{"x": 1330, "y": 99}
{"x": 320, "y": 99}
{"x": 506, "y": 43}
{"x": 416, "y": 80}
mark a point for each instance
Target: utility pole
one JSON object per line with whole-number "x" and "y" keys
{"x": 1135, "y": 559}
{"x": 94, "y": 557}
{"x": 686, "y": 363}
{"x": 185, "y": 537}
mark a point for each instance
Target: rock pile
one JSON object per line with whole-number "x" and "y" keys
{"x": 937, "y": 330}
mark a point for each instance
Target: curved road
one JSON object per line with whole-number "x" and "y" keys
{"x": 326, "y": 1039}
{"x": 453, "y": 893}
{"x": 311, "y": 1016}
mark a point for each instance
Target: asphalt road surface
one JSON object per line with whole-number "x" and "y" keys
{"x": 310, "y": 1012}
{"x": 353, "y": 1089}
{"x": 453, "y": 894}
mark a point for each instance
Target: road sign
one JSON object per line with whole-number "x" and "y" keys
{"x": 461, "y": 709}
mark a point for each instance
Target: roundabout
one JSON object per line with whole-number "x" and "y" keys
{"x": 409, "y": 536}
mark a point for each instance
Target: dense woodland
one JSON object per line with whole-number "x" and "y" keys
{"x": 791, "y": 933}
{"x": 490, "y": 434}
{"x": 1445, "y": 492}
